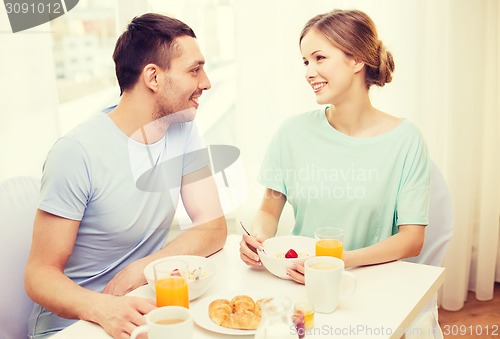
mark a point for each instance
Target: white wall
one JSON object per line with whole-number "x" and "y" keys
{"x": 28, "y": 111}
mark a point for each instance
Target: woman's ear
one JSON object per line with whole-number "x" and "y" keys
{"x": 149, "y": 76}
{"x": 358, "y": 65}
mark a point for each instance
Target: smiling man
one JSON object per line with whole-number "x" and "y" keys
{"x": 97, "y": 227}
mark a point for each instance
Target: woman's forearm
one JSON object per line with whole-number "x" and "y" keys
{"x": 406, "y": 243}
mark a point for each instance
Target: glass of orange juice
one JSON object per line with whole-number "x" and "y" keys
{"x": 305, "y": 309}
{"x": 329, "y": 242}
{"x": 171, "y": 283}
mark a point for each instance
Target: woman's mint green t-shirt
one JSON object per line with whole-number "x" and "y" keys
{"x": 366, "y": 186}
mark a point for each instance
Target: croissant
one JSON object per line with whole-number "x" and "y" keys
{"x": 244, "y": 320}
{"x": 239, "y": 313}
{"x": 242, "y": 302}
{"x": 220, "y": 310}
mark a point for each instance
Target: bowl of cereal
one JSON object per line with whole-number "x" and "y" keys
{"x": 281, "y": 252}
{"x": 200, "y": 275}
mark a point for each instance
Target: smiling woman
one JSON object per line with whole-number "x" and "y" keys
{"x": 425, "y": 90}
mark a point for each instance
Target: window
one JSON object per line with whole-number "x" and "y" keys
{"x": 213, "y": 23}
{"x": 83, "y": 43}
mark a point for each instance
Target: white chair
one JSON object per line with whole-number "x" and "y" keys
{"x": 19, "y": 198}
{"x": 437, "y": 236}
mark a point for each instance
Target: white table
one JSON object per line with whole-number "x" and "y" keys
{"x": 387, "y": 299}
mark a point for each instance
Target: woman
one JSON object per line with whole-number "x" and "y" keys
{"x": 350, "y": 165}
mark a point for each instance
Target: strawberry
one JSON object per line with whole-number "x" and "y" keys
{"x": 291, "y": 254}
{"x": 175, "y": 273}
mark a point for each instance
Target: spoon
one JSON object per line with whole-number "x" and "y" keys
{"x": 244, "y": 229}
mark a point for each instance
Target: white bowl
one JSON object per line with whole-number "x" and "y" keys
{"x": 276, "y": 248}
{"x": 195, "y": 287}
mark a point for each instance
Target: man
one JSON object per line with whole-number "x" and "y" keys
{"x": 110, "y": 187}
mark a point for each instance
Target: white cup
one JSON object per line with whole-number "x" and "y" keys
{"x": 178, "y": 323}
{"x": 325, "y": 280}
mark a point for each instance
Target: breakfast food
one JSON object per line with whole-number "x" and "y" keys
{"x": 196, "y": 274}
{"x": 291, "y": 254}
{"x": 193, "y": 275}
{"x": 242, "y": 312}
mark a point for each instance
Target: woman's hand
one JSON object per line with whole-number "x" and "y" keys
{"x": 297, "y": 272}
{"x": 248, "y": 250}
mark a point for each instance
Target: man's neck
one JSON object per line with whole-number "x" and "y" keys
{"x": 134, "y": 118}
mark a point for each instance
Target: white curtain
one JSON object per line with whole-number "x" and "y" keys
{"x": 446, "y": 82}
{"x": 469, "y": 148}
{"x": 459, "y": 113}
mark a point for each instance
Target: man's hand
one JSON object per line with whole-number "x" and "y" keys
{"x": 119, "y": 316}
{"x": 128, "y": 279}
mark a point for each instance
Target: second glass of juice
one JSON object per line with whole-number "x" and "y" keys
{"x": 171, "y": 283}
{"x": 329, "y": 242}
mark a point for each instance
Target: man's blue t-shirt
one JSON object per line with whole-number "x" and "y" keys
{"x": 123, "y": 192}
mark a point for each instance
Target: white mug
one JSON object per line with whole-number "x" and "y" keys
{"x": 324, "y": 279}
{"x": 167, "y": 322}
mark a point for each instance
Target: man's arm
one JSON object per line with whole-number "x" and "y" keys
{"x": 207, "y": 234}
{"x": 45, "y": 282}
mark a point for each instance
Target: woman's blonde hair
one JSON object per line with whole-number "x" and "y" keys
{"x": 354, "y": 33}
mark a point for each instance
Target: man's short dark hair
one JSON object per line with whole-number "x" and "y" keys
{"x": 149, "y": 38}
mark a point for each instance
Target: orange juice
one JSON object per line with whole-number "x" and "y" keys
{"x": 172, "y": 291}
{"x": 305, "y": 310}
{"x": 329, "y": 247}
{"x": 309, "y": 320}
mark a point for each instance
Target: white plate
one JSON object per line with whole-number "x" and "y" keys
{"x": 201, "y": 317}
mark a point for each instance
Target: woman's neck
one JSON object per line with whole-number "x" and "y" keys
{"x": 358, "y": 118}
{"x": 351, "y": 117}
